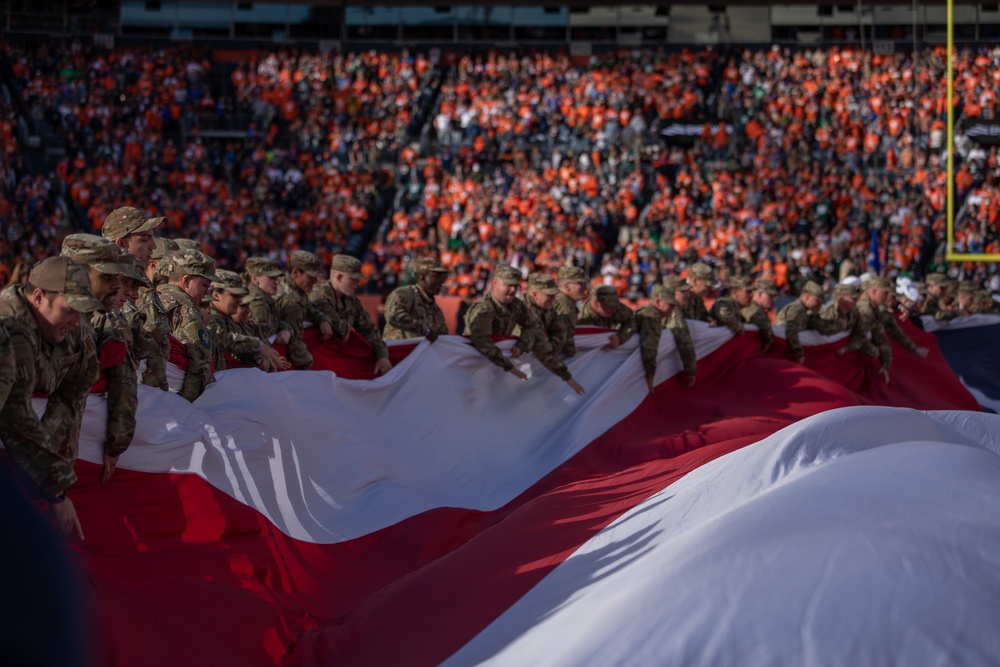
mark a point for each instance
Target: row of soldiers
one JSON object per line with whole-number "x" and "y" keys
{"x": 112, "y": 310}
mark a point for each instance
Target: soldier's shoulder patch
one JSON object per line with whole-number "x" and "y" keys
{"x": 203, "y": 338}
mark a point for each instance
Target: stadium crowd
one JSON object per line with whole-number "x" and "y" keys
{"x": 805, "y": 162}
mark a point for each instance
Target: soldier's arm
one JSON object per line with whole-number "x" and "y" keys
{"x": 198, "y": 349}
{"x": 881, "y": 342}
{"x": 726, "y": 312}
{"x": 479, "y": 327}
{"x": 322, "y": 309}
{"x": 826, "y": 326}
{"x": 626, "y": 328}
{"x": 28, "y": 444}
{"x": 896, "y": 332}
{"x": 561, "y": 335}
{"x": 793, "y": 327}
{"x": 759, "y": 319}
{"x": 234, "y": 342}
{"x": 399, "y": 313}
{"x": 123, "y": 400}
{"x": 649, "y": 342}
{"x": 685, "y": 346}
{"x": 529, "y": 328}
{"x": 539, "y": 344}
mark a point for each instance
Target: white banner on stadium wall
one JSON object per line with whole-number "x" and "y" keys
{"x": 104, "y": 40}
{"x": 329, "y": 46}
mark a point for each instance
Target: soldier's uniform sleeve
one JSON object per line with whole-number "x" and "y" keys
{"x": 827, "y": 323}
{"x": 291, "y": 311}
{"x": 536, "y": 341}
{"x": 881, "y": 342}
{"x": 757, "y": 317}
{"x": 561, "y": 335}
{"x": 795, "y": 322}
{"x": 8, "y": 365}
{"x": 157, "y": 326}
{"x": 189, "y": 329}
{"x": 929, "y": 306}
{"x": 566, "y": 311}
{"x": 45, "y": 449}
{"x": 896, "y": 332}
{"x": 400, "y": 314}
{"x": 479, "y": 328}
{"x": 685, "y": 345}
{"x": 123, "y": 400}
{"x": 625, "y": 318}
{"x": 727, "y": 312}
{"x": 230, "y": 340}
{"x": 650, "y": 327}
{"x": 696, "y": 310}
{"x": 362, "y": 323}
{"x": 321, "y": 308}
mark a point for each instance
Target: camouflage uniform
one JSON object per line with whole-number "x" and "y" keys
{"x": 556, "y": 328}
{"x": 795, "y": 318}
{"x": 651, "y": 323}
{"x": 695, "y": 308}
{"x": 870, "y": 320}
{"x": 622, "y": 320}
{"x": 412, "y": 313}
{"x": 488, "y": 317}
{"x": 566, "y": 308}
{"x": 45, "y": 449}
{"x": 109, "y": 330}
{"x": 187, "y": 324}
{"x": 726, "y": 311}
{"x": 295, "y": 308}
{"x": 8, "y": 365}
{"x": 263, "y": 307}
{"x": 892, "y": 328}
{"x": 346, "y": 312}
{"x": 227, "y": 335}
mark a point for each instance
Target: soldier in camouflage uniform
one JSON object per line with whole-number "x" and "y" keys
{"x": 663, "y": 312}
{"x": 111, "y": 333}
{"x": 756, "y": 312}
{"x": 985, "y": 305}
{"x": 130, "y": 230}
{"x": 540, "y": 299}
{"x": 572, "y": 291}
{"x": 162, "y": 251}
{"x": 229, "y": 337}
{"x": 154, "y": 315}
{"x": 142, "y": 346}
{"x": 875, "y": 292}
{"x": 965, "y": 299}
{"x": 191, "y": 276}
{"x": 726, "y": 309}
{"x": 294, "y": 307}
{"x": 933, "y": 304}
{"x": 336, "y": 299}
{"x": 189, "y": 244}
{"x": 499, "y": 313}
{"x": 701, "y": 277}
{"x": 892, "y": 327}
{"x": 603, "y": 309}
{"x": 795, "y": 317}
{"x": 54, "y": 359}
{"x": 264, "y": 275}
{"x": 842, "y": 315}
{"x": 411, "y": 311}
{"x": 8, "y": 365}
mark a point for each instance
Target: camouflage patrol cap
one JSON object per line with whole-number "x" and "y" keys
{"x": 229, "y": 281}
{"x": 164, "y": 248}
{"x": 136, "y": 269}
{"x": 766, "y": 286}
{"x": 935, "y": 278}
{"x": 94, "y": 252}
{"x": 812, "y": 288}
{"x": 347, "y": 265}
{"x": 507, "y": 274}
{"x": 966, "y": 288}
{"x": 193, "y": 263}
{"x": 663, "y": 292}
{"x": 572, "y": 274}
{"x": 606, "y": 294}
{"x": 701, "y": 271}
{"x": 542, "y": 282}
{"x": 428, "y": 264}
{"x": 189, "y": 244}
{"x": 303, "y": 260}
{"x": 739, "y": 283}
{"x": 881, "y": 283}
{"x": 262, "y": 266}
{"x": 64, "y": 276}
{"x": 846, "y": 289}
{"x": 676, "y": 284}
{"x": 127, "y": 220}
